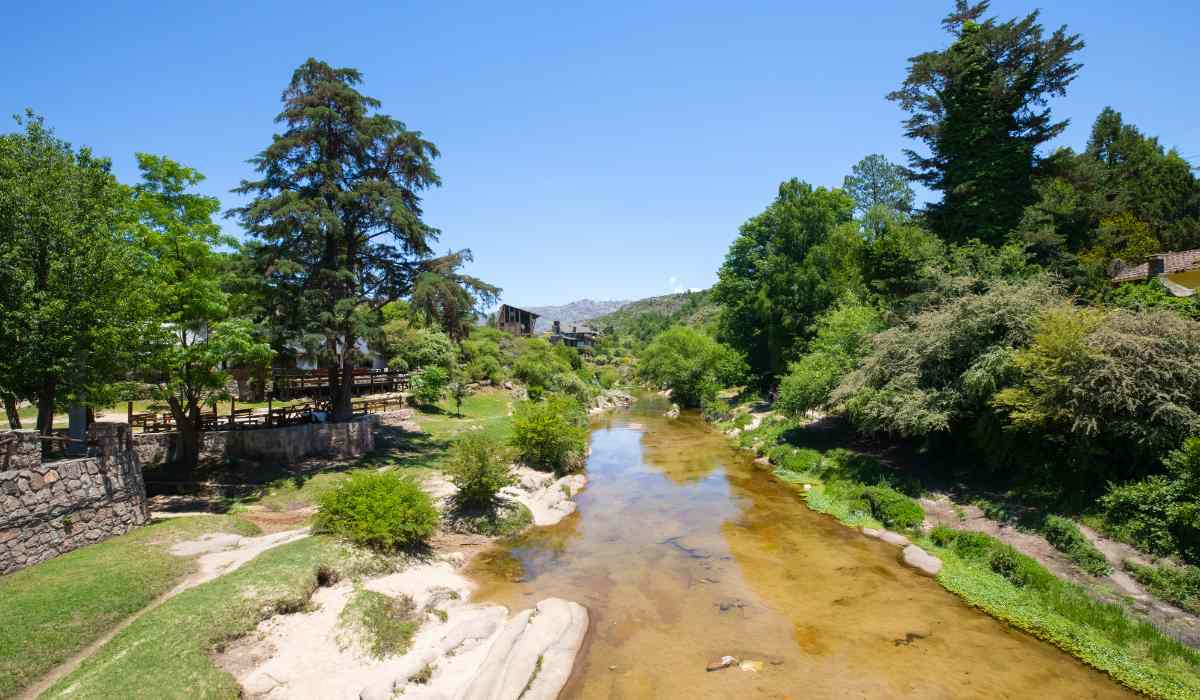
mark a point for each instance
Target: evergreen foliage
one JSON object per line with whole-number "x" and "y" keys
{"x": 980, "y": 106}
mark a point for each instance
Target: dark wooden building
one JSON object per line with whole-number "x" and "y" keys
{"x": 577, "y": 337}
{"x": 515, "y": 321}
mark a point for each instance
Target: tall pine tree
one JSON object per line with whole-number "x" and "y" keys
{"x": 981, "y": 107}
{"x": 338, "y": 210}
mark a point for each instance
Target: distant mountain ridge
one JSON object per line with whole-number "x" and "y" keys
{"x": 576, "y": 312}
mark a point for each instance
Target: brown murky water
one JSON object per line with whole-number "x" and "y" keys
{"x": 684, "y": 551}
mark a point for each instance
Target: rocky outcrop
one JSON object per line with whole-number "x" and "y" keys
{"x": 550, "y": 499}
{"x": 893, "y": 538}
{"x": 532, "y": 656}
{"x": 612, "y": 399}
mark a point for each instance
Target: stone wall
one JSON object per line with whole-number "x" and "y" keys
{"x": 285, "y": 445}
{"x": 50, "y": 508}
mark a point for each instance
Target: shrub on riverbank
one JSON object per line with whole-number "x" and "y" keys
{"x": 550, "y": 434}
{"x": 382, "y": 510}
{"x": 1160, "y": 514}
{"x": 477, "y": 466}
{"x": 1066, "y": 537}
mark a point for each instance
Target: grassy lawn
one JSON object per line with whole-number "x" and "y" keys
{"x": 52, "y": 610}
{"x": 165, "y": 654}
{"x": 416, "y": 455}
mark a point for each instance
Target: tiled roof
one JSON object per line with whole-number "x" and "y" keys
{"x": 1173, "y": 262}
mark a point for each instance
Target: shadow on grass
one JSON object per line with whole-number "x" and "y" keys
{"x": 221, "y": 486}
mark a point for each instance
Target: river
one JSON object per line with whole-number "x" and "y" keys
{"x": 684, "y": 550}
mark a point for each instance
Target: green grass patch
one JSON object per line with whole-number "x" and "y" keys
{"x": 1179, "y": 585}
{"x": 383, "y": 624}
{"x": 497, "y": 520}
{"x": 166, "y": 653}
{"x": 1064, "y": 534}
{"x": 52, "y": 610}
{"x": 1016, "y": 589}
{"x": 486, "y": 411}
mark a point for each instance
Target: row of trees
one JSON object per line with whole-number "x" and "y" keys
{"x": 102, "y": 283}
{"x": 982, "y": 325}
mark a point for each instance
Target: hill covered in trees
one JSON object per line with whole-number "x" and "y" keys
{"x": 646, "y": 318}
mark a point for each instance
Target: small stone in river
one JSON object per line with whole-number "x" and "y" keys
{"x": 612, "y": 668}
{"x": 723, "y": 662}
{"x": 752, "y": 666}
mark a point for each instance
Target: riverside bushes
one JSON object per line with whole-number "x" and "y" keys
{"x": 477, "y": 467}
{"x": 1066, "y": 537}
{"x": 1161, "y": 513}
{"x": 382, "y": 510}
{"x": 550, "y": 434}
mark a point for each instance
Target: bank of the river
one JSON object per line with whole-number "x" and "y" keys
{"x": 986, "y": 573}
{"x": 684, "y": 552}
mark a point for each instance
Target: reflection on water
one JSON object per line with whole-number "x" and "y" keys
{"x": 683, "y": 551}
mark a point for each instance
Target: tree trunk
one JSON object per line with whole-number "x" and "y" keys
{"x": 343, "y": 407}
{"x": 10, "y": 409}
{"x": 45, "y": 417}
{"x": 187, "y": 422}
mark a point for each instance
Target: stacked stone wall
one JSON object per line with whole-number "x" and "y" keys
{"x": 50, "y": 508}
{"x": 286, "y": 445}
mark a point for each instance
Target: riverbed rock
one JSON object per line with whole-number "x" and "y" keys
{"x": 924, "y": 562}
{"x": 673, "y": 412}
{"x": 548, "y": 499}
{"x": 718, "y": 664}
{"x": 533, "y": 655}
{"x": 894, "y": 538}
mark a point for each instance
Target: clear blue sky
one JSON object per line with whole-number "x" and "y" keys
{"x": 603, "y": 150}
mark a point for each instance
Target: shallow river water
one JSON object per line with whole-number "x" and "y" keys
{"x": 683, "y": 551}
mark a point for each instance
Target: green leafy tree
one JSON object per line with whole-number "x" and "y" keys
{"x": 787, "y": 265}
{"x": 338, "y": 209}
{"x": 878, "y": 185}
{"x": 197, "y": 340}
{"x": 691, "y": 364}
{"x": 981, "y": 107}
{"x": 446, "y": 298}
{"x": 71, "y": 303}
{"x": 843, "y": 337}
{"x": 429, "y": 386}
{"x": 409, "y": 344}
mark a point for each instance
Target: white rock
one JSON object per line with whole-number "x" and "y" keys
{"x": 922, "y": 561}
{"x": 894, "y": 538}
{"x": 553, "y": 634}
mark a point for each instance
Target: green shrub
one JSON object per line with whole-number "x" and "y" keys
{"x": 608, "y": 377}
{"x": 550, "y": 434}
{"x": 893, "y": 508}
{"x": 476, "y": 465}
{"x": 691, "y": 364}
{"x": 1066, "y": 537}
{"x": 1175, "y": 584}
{"x": 1161, "y": 513}
{"x": 377, "y": 509}
{"x": 843, "y": 337}
{"x": 972, "y": 546}
{"x": 429, "y": 385}
{"x": 1020, "y": 570}
{"x": 800, "y": 461}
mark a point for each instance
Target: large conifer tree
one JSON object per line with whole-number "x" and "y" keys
{"x": 981, "y": 106}
{"x": 338, "y": 209}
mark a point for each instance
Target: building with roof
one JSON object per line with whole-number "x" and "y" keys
{"x": 1178, "y": 271}
{"x": 578, "y": 337}
{"x": 515, "y": 321}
